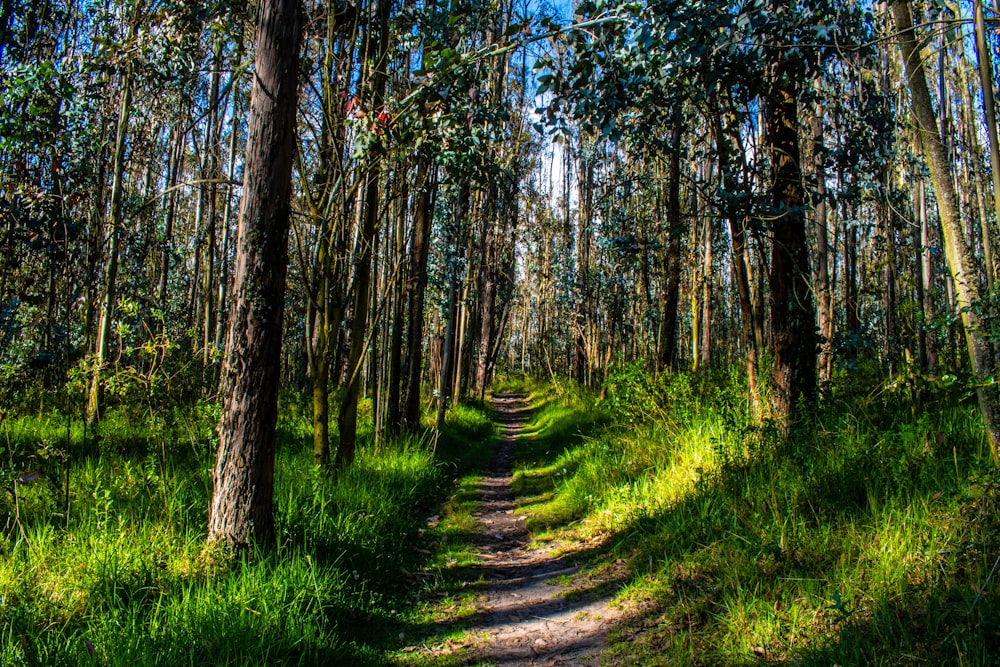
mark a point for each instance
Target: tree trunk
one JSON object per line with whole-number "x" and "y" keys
{"x": 706, "y": 298}
{"x": 750, "y": 335}
{"x": 675, "y": 232}
{"x": 241, "y": 506}
{"x": 447, "y": 353}
{"x": 582, "y": 310}
{"x": 174, "y": 160}
{"x": 447, "y": 382}
{"x": 823, "y": 292}
{"x": 462, "y": 313}
{"x": 927, "y": 274}
{"x": 423, "y": 215}
{"x": 487, "y": 307}
{"x": 320, "y": 345}
{"x": 887, "y": 232}
{"x": 956, "y": 249}
{"x": 213, "y": 139}
{"x": 394, "y": 415}
{"x": 793, "y": 317}
{"x": 347, "y": 418}
{"x": 989, "y": 108}
{"x": 111, "y": 272}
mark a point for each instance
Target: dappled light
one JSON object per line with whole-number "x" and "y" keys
{"x": 392, "y": 332}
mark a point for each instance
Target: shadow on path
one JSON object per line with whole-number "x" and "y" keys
{"x": 539, "y": 607}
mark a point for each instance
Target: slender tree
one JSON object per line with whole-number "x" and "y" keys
{"x": 241, "y": 505}
{"x": 963, "y": 272}
{"x": 793, "y": 316}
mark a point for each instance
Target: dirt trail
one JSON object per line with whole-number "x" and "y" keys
{"x": 526, "y": 618}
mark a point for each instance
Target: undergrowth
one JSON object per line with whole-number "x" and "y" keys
{"x": 867, "y": 537}
{"x": 126, "y": 580}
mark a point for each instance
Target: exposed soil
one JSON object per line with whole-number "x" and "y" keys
{"x": 540, "y": 607}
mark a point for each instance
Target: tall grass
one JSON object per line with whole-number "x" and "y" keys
{"x": 864, "y": 539}
{"x": 130, "y": 583}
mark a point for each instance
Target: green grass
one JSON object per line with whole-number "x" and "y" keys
{"x": 863, "y": 540}
{"x": 131, "y": 583}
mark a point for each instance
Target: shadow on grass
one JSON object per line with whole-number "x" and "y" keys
{"x": 823, "y": 554}
{"x": 863, "y": 548}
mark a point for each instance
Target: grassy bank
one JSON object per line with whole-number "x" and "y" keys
{"x": 127, "y": 581}
{"x": 866, "y": 538}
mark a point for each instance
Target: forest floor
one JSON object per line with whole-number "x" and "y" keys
{"x": 540, "y": 604}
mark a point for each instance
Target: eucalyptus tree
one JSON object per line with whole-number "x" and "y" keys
{"x": 375, "y": 58}
{"x": 241, "y": 506}
{"x": 328, "y": 192}
{"x": 733, "y": 63}
{"x": 131, "y": 19}
{"x": 963, "y": 271}
{"x": 793, "y": 316}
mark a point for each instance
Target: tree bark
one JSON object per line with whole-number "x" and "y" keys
{"x": 174, "y": 160}
{"x": 423, "y": 215}
{"x": 989, "y": 108}
{"x": 821, "y": 269}
{"x": 708, "y": 275}
{"x": 487, "y": 306}
{"x": 394, "y": 415}
{"x": 956, "y": 249}
{"x": 446, "y": 383}
{"x": 793, "y": 317}
{"x": 675, "y": 232}
{"x": 347, "y": 418}
{"x": 109, "y": 297}
{"x": 751, "y": 338}
{"x": 241, "y": 506}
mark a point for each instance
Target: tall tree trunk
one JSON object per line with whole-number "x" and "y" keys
{"x": 108, "y": 297}
{"x": 347, "y": 418}
{"x": 989, "y": 106}
{"x": 423, "y": 215}
{"x": 222, "y": 296}
{"x": 320, "y": 344}
{"x": 887, "y": 232}
{"x": 174, "y": 160}
{"x": 241, "y": 506}
{"x": 394, "y": 415}
{"x": 956, "y": 249}
{"x": 213, "y": 139}
{"x": 458, "y": 376}
{"x": 750, "y": 334}
{"x": 487, "y": 306}
{"x": 821, "y": 269}
{"x": 447, "y": 354}
{"x": 582, "y": 315}
{"x": 447, "y": 379}
{"x": 927, "y": 273}
{"x": 708, "y": 275}
{"x": 672, "y": 257}
{"x": 329, "y": 207}
{"x": 793, "y": 317}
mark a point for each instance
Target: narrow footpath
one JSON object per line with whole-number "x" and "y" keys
{"x": 539, "y": 608}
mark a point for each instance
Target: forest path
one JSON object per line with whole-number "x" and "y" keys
{"x": 540, "y": 607}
